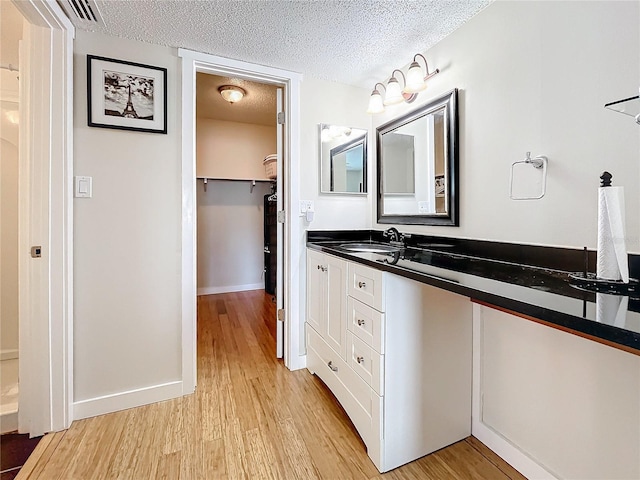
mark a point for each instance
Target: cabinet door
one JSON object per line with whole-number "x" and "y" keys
{"x": 316, "y": 290}
{"x": 335, "y": 334}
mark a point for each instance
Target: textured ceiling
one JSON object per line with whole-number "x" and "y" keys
{"x": 258, "y": 106}
{"x": 356, "y": 42}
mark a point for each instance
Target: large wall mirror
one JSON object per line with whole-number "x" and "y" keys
{"x": 343, "y": 159}
{"x": 418, "y": 165}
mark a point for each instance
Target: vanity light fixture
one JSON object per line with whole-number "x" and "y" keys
{"x": 232, "y": 93}
{"x": 416, "y": 79}
{"x": 414, "y": 82}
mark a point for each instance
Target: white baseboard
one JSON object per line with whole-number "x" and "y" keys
{"x": 124, "y": 400}
{"x": 298, "y": 363}
{"x": 510, "y": 453}
{"x": 8, "y": 354}
{"x": 230, "y": 289}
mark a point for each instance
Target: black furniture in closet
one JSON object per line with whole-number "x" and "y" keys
{"x": 270, "y": 244}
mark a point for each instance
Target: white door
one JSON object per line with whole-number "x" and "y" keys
{"x": 279, "y": 226}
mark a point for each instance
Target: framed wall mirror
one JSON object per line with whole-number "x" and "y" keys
{"x": 417, "y": 177}
{"x": 343, "y": 160}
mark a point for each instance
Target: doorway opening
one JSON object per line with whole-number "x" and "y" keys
{"x": 288, "y": 171}
{"x": 237, "y": 188}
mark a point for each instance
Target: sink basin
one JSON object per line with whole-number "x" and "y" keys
{"x": 370, "y": 247}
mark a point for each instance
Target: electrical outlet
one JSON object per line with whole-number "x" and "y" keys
{"x": 306, "y": 206}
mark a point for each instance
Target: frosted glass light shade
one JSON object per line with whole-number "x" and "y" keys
{"x": 375, "y": 103}
{"x": 231, "y": 93}
{"x": 394, "y": 93}
{"x": 415, "y": 79}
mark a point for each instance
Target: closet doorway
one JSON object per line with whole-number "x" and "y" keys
{"x": 238, "y": 194}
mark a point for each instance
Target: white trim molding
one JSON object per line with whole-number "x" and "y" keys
{"x": 124, "y": 400}
{"x": 492, "y": 439}
{"x": 46, "y": 218}
{"x": 230, "y": 289}
{"x": 193, "y": 62}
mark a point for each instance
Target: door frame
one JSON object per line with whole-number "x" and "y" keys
{"x": 193, "y": 62}
{"x": 46, "y": 218}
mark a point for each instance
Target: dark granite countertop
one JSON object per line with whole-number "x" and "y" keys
{"x": 535, "y": 291}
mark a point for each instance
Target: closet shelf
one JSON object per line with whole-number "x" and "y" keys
{"x": 206, "y": 180}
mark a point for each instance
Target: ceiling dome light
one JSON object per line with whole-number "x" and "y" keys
{"x": 231, "y": 93}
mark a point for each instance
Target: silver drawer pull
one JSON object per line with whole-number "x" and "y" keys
{"x": 361, "y": 284}
{"x": 360, "y": 322}
{"x": 332, "y": 366}
{"x": 360, "y": 359}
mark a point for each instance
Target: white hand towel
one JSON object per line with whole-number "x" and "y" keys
{"x": 612, "y": 263}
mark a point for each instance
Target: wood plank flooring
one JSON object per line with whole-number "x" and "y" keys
{"x": 250, "y": 418}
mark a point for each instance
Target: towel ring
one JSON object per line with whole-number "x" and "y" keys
{"x": 537, "y": 162}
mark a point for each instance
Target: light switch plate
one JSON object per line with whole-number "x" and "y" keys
{"x": 83, "y": 187}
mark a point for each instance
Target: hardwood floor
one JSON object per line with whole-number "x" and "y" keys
{"x": 250, "y": 418}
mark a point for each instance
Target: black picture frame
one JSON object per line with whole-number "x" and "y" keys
{"x": 126, "y": 95}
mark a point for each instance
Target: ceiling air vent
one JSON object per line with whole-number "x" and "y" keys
{"x": 83, "y": 13}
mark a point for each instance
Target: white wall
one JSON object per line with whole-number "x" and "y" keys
{"x": 230, "y": 243}
{"x": 571, "y": 404}
{"x": 11, "y": 31}
{"x": 127, "y": 319}
{"x": 232, "y": 149}
{"x": 8, "y": 234}
{"x": 534, "y": 76}
{"x": 230, "y": 246}
{"x": 334, "y": 104}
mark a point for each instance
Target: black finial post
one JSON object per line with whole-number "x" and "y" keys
{"x": 605, "y": 179}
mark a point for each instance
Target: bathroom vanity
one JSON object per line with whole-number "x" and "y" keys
{"x": 395, "y": 352}
{"x": 443, "y": 338}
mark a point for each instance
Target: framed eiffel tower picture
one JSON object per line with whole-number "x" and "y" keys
{"x": 126, "y": 95}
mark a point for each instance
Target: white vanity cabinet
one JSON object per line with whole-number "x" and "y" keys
{"x": 326, "y": 299}
{"x": 402, "y": 368}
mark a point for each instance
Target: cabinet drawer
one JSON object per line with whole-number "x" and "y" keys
{"x": 365, "y": 284}
{"x": 366, "y": 323}
{"x": 366, "y": 362}
{"x": 357, "y": 398}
